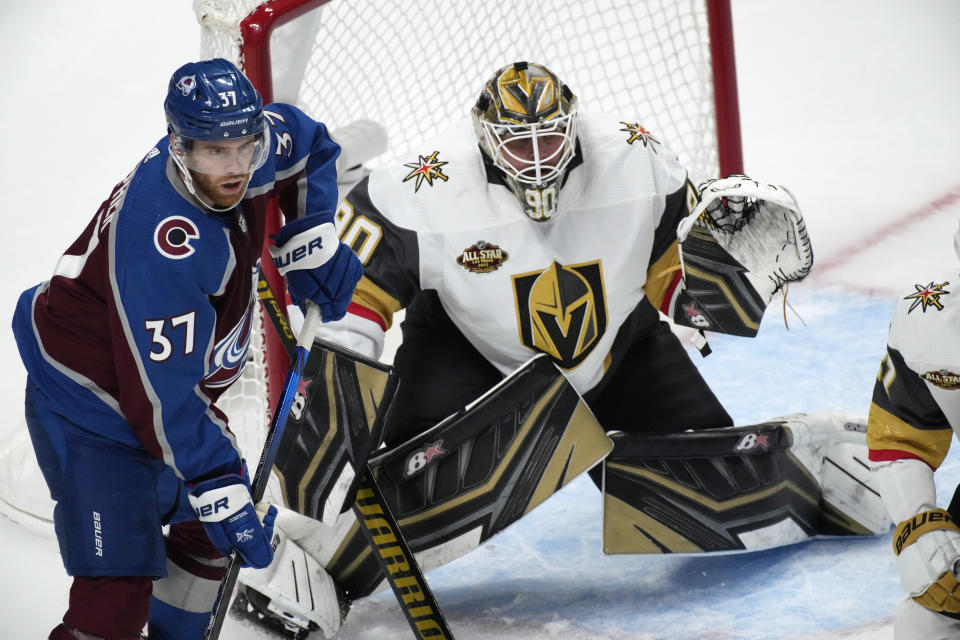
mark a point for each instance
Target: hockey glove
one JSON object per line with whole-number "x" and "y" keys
{"x": 928, "y": 550}
{"x": 224, "y": 507}
{"x": 759, "y": 225}
{"x": 317, "y": 266}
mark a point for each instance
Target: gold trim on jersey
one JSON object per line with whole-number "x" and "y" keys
{"x": 363, "y": 236}
{"x": 885, "y": 431}
{"x": 372, "y": 297}
{"x": 660, "y": 275}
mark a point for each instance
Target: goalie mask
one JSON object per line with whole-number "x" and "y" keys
{"x": 525, "y": 120}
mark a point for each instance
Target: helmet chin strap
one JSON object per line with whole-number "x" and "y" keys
{"x": 187, "y": 180}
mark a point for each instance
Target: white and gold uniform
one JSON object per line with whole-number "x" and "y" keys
{"x": 512, "y": 285}
{"x": 579, "y": 287}
{"x": 913, "y": 417}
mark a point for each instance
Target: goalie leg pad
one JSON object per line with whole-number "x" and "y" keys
{"x": 736, "y": 489}
{"x": 339, "y": 418}
{"x": 475, "y": 473}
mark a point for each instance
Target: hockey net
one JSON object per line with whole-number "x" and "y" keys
{"x": 391, "y": 73}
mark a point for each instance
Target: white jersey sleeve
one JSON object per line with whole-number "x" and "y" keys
{"x": 916, "y": 400}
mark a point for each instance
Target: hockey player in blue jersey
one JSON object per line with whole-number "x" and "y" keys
{"x": 143, "y": 324}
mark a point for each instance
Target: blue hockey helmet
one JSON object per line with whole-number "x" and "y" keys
{"x": 212, "y": 101}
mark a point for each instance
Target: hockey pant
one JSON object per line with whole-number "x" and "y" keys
{"x": 111, "y": 504}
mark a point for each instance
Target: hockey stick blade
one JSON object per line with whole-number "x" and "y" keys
{"x": 379, "y": 526}
{"x": 262, "y": 476}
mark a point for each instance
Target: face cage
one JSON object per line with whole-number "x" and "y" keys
{"x": 225, "y": 160}
{"x": 550, "y": 144}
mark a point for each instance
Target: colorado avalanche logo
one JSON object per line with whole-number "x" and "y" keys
{"x": 173, "y": 235}
{"x": 229, "y": 355}
{"x": 187, "y": 84}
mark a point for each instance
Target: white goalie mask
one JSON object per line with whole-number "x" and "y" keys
{"x": 526, "y": 123}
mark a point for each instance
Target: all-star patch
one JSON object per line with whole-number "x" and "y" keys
{"x": 637, "y": 132}
{"x": 482, "y": 257}
{"x": 943, "y": 379}
{"x": 927, "y": 296}
{"x": 426, "y": 168}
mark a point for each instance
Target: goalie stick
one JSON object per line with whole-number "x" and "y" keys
{"x": 259, "y": 485}
{"x": 377, "y": 523}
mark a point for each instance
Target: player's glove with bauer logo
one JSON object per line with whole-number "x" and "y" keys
{"x": 224, "y": 507}
{"x": 317, "y": 266}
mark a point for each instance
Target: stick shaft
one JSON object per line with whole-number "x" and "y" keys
{"x": 262, "y": 476}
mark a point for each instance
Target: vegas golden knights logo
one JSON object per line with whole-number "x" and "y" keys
{"x": 561, "y": 310}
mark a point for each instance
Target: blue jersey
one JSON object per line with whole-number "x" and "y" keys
{"x": 147, "y": 317}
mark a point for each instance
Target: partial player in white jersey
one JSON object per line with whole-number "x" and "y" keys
{"x": 571, "y": 234}
{"x": 913, "y": 417}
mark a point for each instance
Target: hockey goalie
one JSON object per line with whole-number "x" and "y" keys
{"x": 536, "y": 251}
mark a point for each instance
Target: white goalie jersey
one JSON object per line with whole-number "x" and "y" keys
{"x": 514, "y": 286}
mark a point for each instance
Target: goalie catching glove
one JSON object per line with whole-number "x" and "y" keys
{"x": 759, "y": 225}
{"x": 738, "y": 247}
{"x": 317, "y": 266}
